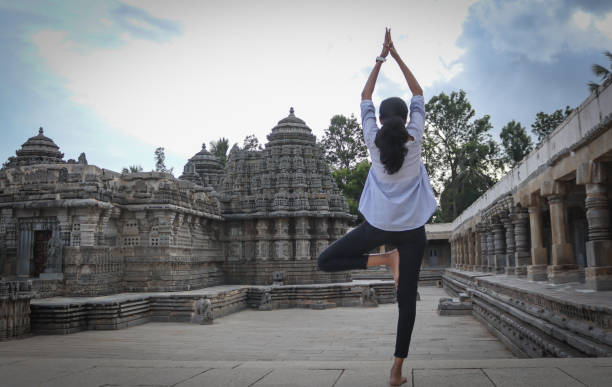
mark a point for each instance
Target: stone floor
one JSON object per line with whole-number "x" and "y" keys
{"x": 291, "y": 347}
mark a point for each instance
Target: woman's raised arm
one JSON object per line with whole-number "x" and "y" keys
{"x": 368, "y": 89}
{"x": 414, "y": 86}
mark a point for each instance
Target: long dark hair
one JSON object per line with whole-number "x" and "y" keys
{"x": 391, "y": 138}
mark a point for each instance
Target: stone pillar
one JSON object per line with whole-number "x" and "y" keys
{"x": 25, "y": 249}
{"x": 144, "y": 228}
{"x": 466, "y": 251}
{"x": 461, "y": 252}
{"x": 510, "y": 245}
{"x": 522, "y": 257}
{"x": 469, "y": 257}
{"x": 490, "y": 248}
{"x": 563, "y": 268}
{"x": 482, "y": 256}
{"x": 165, "y": 221}
{"x": 235, "y": 250}
{"x": 451, "y": 240}
{"x": 282, "y": 249}
{"x": 499, "y": 245}
{"x": 302, "y": 238}
{"x": 262, "y": 244}
{"x": 89, "y": 224}
{"x": 102, "y": 225}
{"x": 321, "y": 235}
{"x": 598, "y": 274}
{"x": 64, "y": 226}
{"x": 457, "y": 252}
{"x": 537, "y": 270}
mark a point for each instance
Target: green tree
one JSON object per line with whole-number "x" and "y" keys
{"x": 460, "y": 156}
{"x": 343, "y": 143}
{"x": 600, "y": 71}
{"x": 219, "y": 148}
{"x": 515, "y": 141}
{"x": 251, "y": 143}
{"x": 351, "y": 181}
{"x": 131, "y": 169}
{"x": 160, "y": 161}
{"x": 544, "y": 123}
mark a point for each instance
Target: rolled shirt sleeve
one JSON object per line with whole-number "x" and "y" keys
{"x": 416, "y": 126}
{"x": 368, "y": 122}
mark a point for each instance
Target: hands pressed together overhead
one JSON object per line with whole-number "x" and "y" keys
{"x": 388, "y": 47}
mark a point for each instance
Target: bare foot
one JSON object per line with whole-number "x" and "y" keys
{"x": 395, "y": 265}
{"x": 395, "y": 378}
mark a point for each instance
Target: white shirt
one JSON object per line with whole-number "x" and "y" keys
{"x": 403, "y": 200}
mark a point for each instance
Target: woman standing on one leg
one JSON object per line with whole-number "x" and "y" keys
{"x": 396, "y": 202}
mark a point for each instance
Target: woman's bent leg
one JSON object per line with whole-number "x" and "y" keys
{"x": 411, "y": 255}
{"x": 351, "y": 251}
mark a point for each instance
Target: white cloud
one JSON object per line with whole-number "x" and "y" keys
{"x": 604, "y": 25}
{"x": 581, "y": 19}
{"x": 238, "y": 67}
{"x": 538, "y": 29}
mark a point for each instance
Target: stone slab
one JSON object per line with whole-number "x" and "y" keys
{"x": 450, "y": 377}
{"x": 117, "y": 375}
{"x": 300, "y": 378}
{"x": 371, "y": 377}
{"x": 531, "y": 377}
{"x": 235, "y": 377}
{"x": 591, "y": 376}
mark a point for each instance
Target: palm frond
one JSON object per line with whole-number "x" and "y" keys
{"x": 600, "y": 71}
{"x": 593, "y": 87}
{"x": 609, "y": 55}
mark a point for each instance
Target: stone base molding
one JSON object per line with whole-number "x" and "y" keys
{"x": 520, "y": 271}
{"x": 534, "y": 321}
{"x": 598, "y": 278}
{"x": 537, "y": 272}
{"x": 561, "y": 274}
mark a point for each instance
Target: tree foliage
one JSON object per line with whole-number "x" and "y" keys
{"x": 544, "y": 123}
{"x": 131, "y": 169}
{"x": 219, "y": 148}
{"x": 351, "y": 181}
{"x": 160, "y": 161}
{"x": 600, "y": 71}
{"x": 343, "y": 143}
{"x": 460, "y": 156}
{"x": 251, "y": 143}
{"x": 516, "y": 142}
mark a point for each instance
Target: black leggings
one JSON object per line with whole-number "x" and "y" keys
{"x": 351, "y": 252}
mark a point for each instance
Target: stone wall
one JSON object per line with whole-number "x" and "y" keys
{"x": 93, "y": 270}
{"x": 171, "y": 269}
{"x": 14, "y": 309}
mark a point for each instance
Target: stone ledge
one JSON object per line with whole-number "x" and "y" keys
{"x": 64, "y": 315}
{"x": 539, "y": 319}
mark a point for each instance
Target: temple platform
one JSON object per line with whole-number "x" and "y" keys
{"x": 64, "y": 315}
{"x": 538, "y": 318}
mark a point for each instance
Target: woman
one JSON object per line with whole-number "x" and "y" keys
{"x": 396, "y": 202}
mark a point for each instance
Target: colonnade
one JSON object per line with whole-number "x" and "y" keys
{"x": 508, "y": 236}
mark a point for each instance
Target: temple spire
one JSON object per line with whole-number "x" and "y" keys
{"x": 40, "y": 130}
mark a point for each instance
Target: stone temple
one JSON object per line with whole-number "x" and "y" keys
{"x": 70, "y": 229}
{"x": 263, "y": 219}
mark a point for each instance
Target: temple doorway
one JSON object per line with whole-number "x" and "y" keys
{"x": 41, "y": 251}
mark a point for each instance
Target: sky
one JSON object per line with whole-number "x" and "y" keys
{"x": 117, "y": 79}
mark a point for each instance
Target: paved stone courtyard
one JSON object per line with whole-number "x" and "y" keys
{"x": 291, "y": 347}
